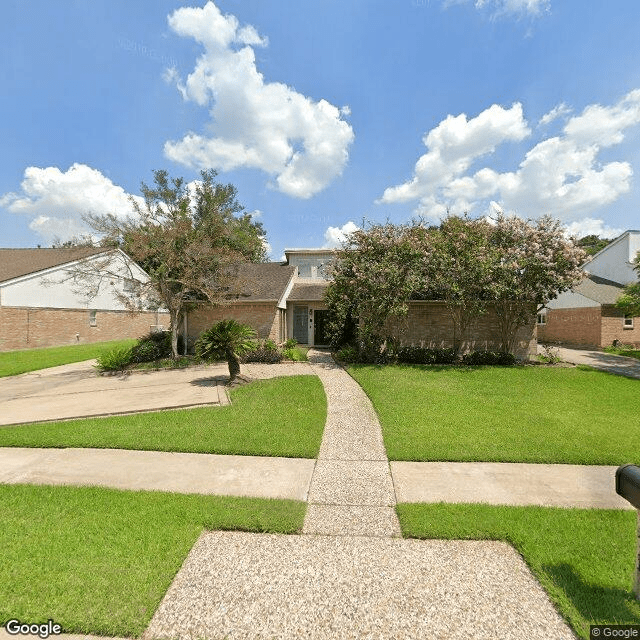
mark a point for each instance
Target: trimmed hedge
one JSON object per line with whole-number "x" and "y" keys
{"x": 423, "y": 355}
{"x": 489, "y": 357}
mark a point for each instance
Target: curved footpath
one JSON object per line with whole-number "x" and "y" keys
{"x": 350, "y": 574}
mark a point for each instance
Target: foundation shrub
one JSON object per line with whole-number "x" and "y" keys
{"x": 502, "y": 358}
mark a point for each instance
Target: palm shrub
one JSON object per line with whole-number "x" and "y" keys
{"x": 227, "y": 339}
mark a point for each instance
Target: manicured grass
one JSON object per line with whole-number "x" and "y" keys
{"x": 277, "y": 417}
{"x": 99, "y": 560}
{"x": 505, "y": 414}
{"x": 583, "y": 558}
{"x": 14, "y": 362}
{"x": 623, "y": 351}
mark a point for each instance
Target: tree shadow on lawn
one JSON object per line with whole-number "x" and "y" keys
{"x": 596, "y": 604}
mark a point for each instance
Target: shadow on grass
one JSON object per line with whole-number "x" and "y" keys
{"x": 595, "y": 603}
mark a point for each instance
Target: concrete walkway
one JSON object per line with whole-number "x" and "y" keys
{"x": 350, "y": 576}
{"x": 620, "y": 365}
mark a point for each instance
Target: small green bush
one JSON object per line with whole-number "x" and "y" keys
{"x": 489, "y": 357}
{"x": 424, "y": 355}
{"x": 269, "y": 345}
{"x": 116, "y": 359}
{"x": 154, "y": 346}
{"x": 348, "y": 354}
{"x": 291, "y": 343}
{"x": 295, "y": 354}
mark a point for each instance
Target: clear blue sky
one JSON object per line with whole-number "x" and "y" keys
{"x": 322, "y": 113}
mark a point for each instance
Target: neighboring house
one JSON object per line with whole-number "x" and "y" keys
{"x": 286, "y": 300}
{"x": 586, "y": 316}
{"x": 43, "y": 305}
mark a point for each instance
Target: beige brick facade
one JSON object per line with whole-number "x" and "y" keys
{"x": 264, "y": 317}
{"x": 27, "y": 328}
{"x": 429, "y": 324}
{"x": 594, "y": 327}
{"x": 579, "y": 327}
{"x": 614, "y": 329}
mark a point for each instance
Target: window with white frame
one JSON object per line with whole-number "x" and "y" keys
{"x": 542, "y": 317}
{"x": 627, "y": 321}
{"x": 93, "y": 320}
{"x": 129, "y": 285}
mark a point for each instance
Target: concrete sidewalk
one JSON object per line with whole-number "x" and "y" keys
{"x": 344, "y": 499}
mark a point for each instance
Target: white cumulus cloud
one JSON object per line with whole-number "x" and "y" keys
{"x": 561, "y": 175}
{"x": 335, "y": 236}
{"x": 558, "y": 111}
{"x": 592, "y": 226}
{"x": 303, "y": 144}
{"x": 56, "y": 200}
{"x": 452, "y": 147}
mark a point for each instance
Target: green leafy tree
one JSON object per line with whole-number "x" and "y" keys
{"x": 227, "y": 339}
{"x": 191, "y": 243}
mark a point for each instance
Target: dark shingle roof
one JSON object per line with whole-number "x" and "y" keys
{"x": 264, "y": 281}
{"x": 21, "y": 262}
{"x": 599, "y": 289}
{"x": 308, "y": 291}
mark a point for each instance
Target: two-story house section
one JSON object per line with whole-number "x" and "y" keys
{"x": 306, "y": 310}
{"x": 586, "y": 315}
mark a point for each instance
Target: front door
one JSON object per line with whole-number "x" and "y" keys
{"x": 301, "y": 324}
{"x": 320, "y": 337}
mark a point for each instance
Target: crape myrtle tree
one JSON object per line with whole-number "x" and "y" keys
{"x": 458, "y": 271}
{"x": 532, "y": 262}
{"x": 629, "y": 301}
{"x": 376, "y": 272}
{"x": 190, "y": 241}
{"x": 511, "y": 264}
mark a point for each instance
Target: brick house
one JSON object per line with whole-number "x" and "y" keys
{"x": 42, "y": 306}
{"x": 586, "y": 316}
{"x": 286, "y": 300}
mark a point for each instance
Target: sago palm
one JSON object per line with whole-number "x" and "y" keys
{"x": 227, "y": 339}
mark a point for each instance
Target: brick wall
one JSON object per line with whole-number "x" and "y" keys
{"x": 261, "y": 316}
{"x": 429, "y": 324}
{"x": 28, "y": 328}
{"x": 578, "y": 327}
{"x": 612, "y": 328}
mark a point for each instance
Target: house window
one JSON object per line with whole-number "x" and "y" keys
{"x": 627, "y": 322}
{"x": 542, "y": 318}
{"x": 93, "y": 321}
{"x": 129, "y": 285}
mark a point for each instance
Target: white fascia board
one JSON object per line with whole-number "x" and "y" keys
{"x": 282, "y": 303}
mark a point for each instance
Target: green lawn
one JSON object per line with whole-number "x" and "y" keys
{"x": 277, "y": 417}
{"x": 14, "y": 362}
{"x": 583, "y": 558}
{"x": 624, "y": 351}
{"x": 505, "y": 414}
{"x": 99, "y": 560}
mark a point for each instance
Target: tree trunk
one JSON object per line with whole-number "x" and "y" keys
{"x": 175, "y": 318}
{"x": 234, "y": 366}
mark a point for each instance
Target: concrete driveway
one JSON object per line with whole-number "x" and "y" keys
{"x": 628, "y": 367}
{"x": 74, "y": 391}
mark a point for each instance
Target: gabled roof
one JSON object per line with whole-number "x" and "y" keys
{"x": 311, "y": 291}
{"x": 264, "y": 281}
{"x": 599, "y": 289}
{"x": 15, "y": 263}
